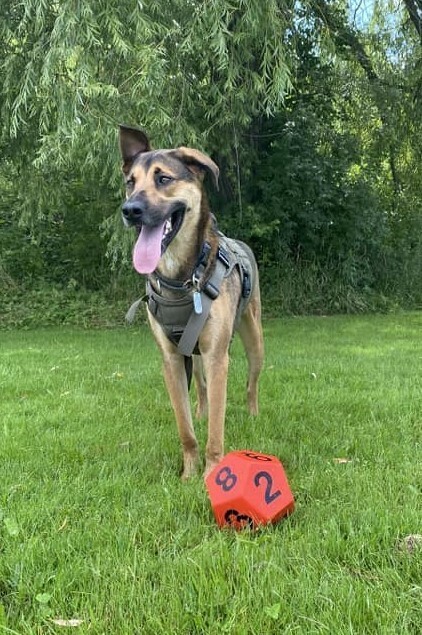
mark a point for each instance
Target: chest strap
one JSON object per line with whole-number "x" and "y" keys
{"x": 202, "y": 301}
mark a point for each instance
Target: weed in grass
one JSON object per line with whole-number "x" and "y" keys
{"x": 98, "y": 535}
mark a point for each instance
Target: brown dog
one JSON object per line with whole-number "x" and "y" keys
{"x": 201, "y": 286}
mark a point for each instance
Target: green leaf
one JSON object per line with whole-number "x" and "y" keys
{"x": 43, "y": 598}
{"x": 273, "y": 611}
{"x": 11, "y": 527}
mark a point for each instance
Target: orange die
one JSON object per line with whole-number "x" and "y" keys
{"x": 248, "y": 489}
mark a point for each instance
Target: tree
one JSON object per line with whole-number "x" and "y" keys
{"x": 74, "y": 70}
{"x": 313, "y": 115}
{"x": 195, "y": 73}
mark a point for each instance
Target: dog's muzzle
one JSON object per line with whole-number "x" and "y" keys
{"x": 132, "y": 212}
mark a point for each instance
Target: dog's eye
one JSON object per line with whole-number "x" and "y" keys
{"x": 163, "y": 179}
{"x": 130, "y": 183}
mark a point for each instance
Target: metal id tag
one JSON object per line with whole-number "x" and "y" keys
{"x": 197, "y": 303}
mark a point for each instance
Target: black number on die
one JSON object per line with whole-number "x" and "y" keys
{"x": 257, "y": 457}
{"x": 232, "y": 517}
{"x": 226, "y": 479}
{"x": 269, "y": 495}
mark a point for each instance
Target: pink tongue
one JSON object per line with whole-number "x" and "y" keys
{"x": 147, "y": 251}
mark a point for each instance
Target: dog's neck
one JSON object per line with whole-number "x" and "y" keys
{"x": 180, "y": 259}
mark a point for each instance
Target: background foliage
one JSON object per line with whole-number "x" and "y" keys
{"x": 311, "y": 109}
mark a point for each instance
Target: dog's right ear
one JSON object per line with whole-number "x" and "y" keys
{"x": 132, "y": 142}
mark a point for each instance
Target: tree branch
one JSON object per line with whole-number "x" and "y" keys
{"x": 414, "y": 9}
{"x": 345, "y": 38}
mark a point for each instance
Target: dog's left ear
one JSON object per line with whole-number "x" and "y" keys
{"x": 132, "y": 142}
{"x": 198, "y": 162}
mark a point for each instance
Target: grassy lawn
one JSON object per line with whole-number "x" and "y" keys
{"x": 96, "y": 527}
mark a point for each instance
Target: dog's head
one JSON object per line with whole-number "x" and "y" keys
{"x": 162, "y": 187}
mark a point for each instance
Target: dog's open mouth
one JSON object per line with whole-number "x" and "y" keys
{"x": 153, "y": 241}
{"x": 171, "y": 227}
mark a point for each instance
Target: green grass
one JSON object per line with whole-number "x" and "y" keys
{"x": 96, "y": 526}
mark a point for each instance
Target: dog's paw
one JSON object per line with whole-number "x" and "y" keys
{"x": 210, "y": 465}
{"x": 190, "y": 466}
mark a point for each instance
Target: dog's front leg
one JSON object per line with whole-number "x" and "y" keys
{"x": 177, "y": 386}
{"x": 216, "y": 370}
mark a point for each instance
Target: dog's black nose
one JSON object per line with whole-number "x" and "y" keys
{"x": 132, "y": 211}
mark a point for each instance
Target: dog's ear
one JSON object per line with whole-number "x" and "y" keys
{"x": 132, "y": 142}
{"x": 198, "y": 162}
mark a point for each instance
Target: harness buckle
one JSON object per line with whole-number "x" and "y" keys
{"x": 201, "y": 264}
{"x": 224, "y": 257}
{"x": 211, "y": 290}
{"x": 246, "y": 284}
{"x": 196, "y": 276}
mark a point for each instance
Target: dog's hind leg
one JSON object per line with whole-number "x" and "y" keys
{"x": 250, "y": 331}
{"x": 201, "y": 387}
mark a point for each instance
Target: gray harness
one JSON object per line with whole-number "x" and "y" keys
{"x": 183, "y": 316}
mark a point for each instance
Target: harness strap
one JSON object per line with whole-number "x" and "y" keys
{"x": 196, "y": 321}
{"x": 130, "y": 315}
